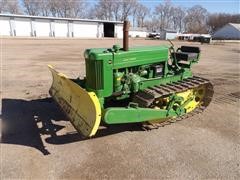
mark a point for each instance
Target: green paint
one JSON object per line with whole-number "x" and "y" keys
{"x": 131, "y": 115}
{"x": 117, "y": 74}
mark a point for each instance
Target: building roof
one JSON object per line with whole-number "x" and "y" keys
{"x": 237, "y": 26}
{"x": 59, "y": 18}
{"x": 194, "y": 35}
{"x": 229, "y": 31}
{"x": 170, "y": 30}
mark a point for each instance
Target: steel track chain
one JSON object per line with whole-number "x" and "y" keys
{"x": 150, "y": 126}
{"x": 146, "y": 97}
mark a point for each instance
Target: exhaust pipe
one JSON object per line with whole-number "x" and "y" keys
{"x": 125, "y": 35}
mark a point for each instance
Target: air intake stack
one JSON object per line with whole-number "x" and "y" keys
{"x": 125, "y": 35}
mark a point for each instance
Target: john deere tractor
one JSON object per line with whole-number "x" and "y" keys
{"x": 148, "y": 85}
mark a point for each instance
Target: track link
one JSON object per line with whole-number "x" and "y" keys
{"x": 146, "y": 97}
{"x": 150, "y": 126}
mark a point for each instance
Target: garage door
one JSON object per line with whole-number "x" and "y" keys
{"x": 85, "y": 30}
{"x": 5, "y": 27}
{"x": 119, "y": 31}
{"x": 61, "y": 28}
{"x": 42, "y": 28}
{"x": 23, "y": 27}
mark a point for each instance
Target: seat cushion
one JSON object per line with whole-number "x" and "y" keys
{"x": 186, "y": 56}
{"x": 190, "y": 49}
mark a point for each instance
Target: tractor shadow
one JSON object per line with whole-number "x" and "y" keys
{"x": 35, "y": 123}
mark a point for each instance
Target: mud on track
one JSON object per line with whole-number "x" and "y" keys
{"x": 38, "y": 141}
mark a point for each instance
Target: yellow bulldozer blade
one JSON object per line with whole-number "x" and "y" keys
{"x": 82, "y": 108}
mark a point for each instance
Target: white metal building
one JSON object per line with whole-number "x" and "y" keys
{"x": 38, "y": 26}
{"x": 138, "y": 32}
{"x": 192, "y": 37}
{"x": 230, "y": 31}
{"x": 168, "y": 34}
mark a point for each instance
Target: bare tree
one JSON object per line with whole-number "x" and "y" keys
{"x": 163, "y": 13}
{"x": 54, "y": 7}
{"x": 63, "y": 8}
{"x": 134, "y": 13}
{"x": 178, "y": 15}
{"x": 152, "y": 24}
{"x": 116, "y": 11}
{"x": 10, "y": 6}
{"x": 142, "y": 12}
{"x": 218, "y": 20}
{"x": 44, "y": 7}
{"x": 31, "y": 7}
{"x": 81, "y": 9}
{"x": 111, "y": 9}
{"x": 104, "y": 9}
{"x": 196, "y": 18}
{"x": 165, "y": 16}
{"x": 66, "y": 8}
{"x": 2, "y": 6}
{"x": 126, "y": 8}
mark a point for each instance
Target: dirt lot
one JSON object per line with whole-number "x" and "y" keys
{"x": 38, "y": 142}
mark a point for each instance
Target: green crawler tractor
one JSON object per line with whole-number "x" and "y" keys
{"x": 129, "y": 85}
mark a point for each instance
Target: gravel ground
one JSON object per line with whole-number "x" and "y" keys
{"x": 38, "y": 142}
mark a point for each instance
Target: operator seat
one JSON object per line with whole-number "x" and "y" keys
{"x": 187, "y": 53}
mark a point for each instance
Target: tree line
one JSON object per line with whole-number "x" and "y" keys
{"x": 165, "y": 15}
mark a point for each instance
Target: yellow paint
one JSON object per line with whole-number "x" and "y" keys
{"x": 82, "y": 108}
{"x": 197, "y": 93}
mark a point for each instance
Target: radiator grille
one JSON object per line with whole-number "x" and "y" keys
{"x": 95, "y": 75}
{"x": 99, "y": 75}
